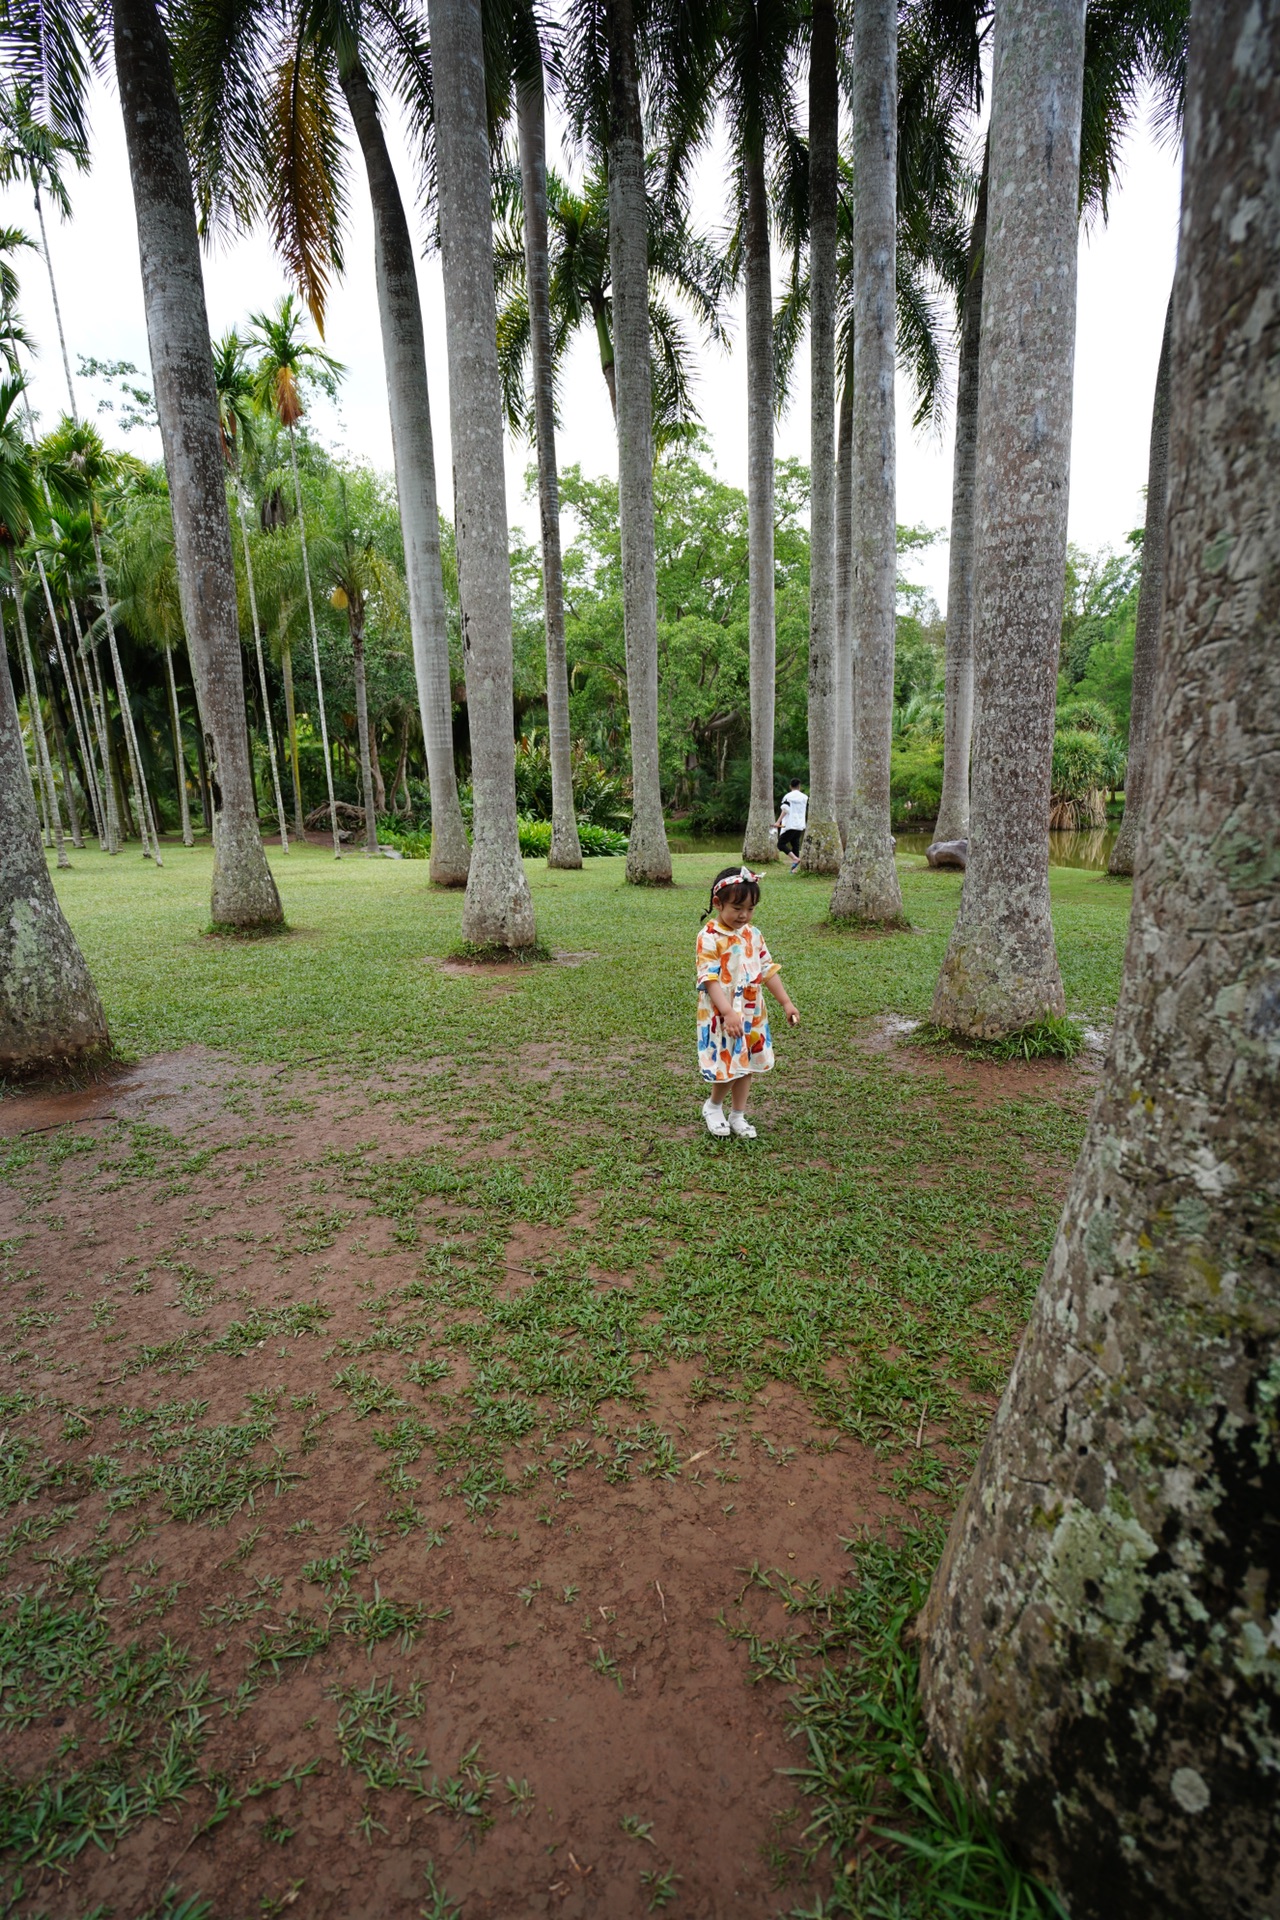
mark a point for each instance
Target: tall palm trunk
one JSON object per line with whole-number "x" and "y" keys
{"x": 355, "y": 627}
{"x": 953, "y": 808}
{"x": 868, "y": 889}
{"x": 87, "y": 762}
{"x": 150, "y": 841}
{"x": 244, "y": 893}
{"x": 50, "y": 1013}
{"x": 1146, "y": 639}
{"x": 648, "y": 856}
{"x": 758, "y": 843}
{"x": 315, "y": 645}
{"x": 44, "y": 765}
{"x": 64, "y": 761}
{"x": 565, "y": 849}
{"x": 262, "y": 667}
{"x": 820, "y": 849}
{"x": 498, "y": 909}
{"x": 1001, "y": 968}
{"x": 291, "y": 722}
{"x": 179, "y": 758}
{"x": 409, "y": 400}
{"x": 843, "y": 676}
{"x": 1099, "y": 1651}
{"x": 95, "y": 693}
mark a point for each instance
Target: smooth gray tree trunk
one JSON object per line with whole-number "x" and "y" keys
{"x": 1100, "y": 1644}
{"x": 133, "y": 753}
{"x": 77, "y": 718}
{"x": 96, "y": 693}
{"x": 843, "y": 676}
{"x": 409, "y": 401}
{"x": 44, "y": 765}
{"x": 759, "y": 844}
{"x": 566, "y": 849}
{"x": 355, "y": 618}
{"x": 251, "y": 585}
{"x": 1000, "y": 972}
{"x": 1146, "y": 638}
{"x": 648, "y": 856}
{"x": 315, "y": 645}
{"x": 821, "y": 848}
{"x": 953, "y": 809}
{"x": 244, "y": 893}
{"x": 498, "y": 910}
{"x": 50, "y": 1013}
{"x": 179, "y": 758}
{"x": 64, "y": 761}
{"x": 867, "y": 889}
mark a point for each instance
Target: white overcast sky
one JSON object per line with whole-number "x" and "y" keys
{"x": 1126, "y": 268}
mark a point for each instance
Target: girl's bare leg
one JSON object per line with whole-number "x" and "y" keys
{"x": 740, "y": 1090}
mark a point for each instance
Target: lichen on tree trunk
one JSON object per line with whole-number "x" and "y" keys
{"x": 1000, "y": 972}
{"x": 50, "y": 1015}
{"x": 1101, "y": 1648}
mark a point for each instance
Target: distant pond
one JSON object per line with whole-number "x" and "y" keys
{"x": 1090, "y": 850}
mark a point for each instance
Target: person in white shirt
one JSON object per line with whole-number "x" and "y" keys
{"x": 791, "y": 822}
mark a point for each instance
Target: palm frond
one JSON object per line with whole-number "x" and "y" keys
{"x": 307, "y": 169}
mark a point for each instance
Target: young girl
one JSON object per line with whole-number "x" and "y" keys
{"x": 733, "y": 1028}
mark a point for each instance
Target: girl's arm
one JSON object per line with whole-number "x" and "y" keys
{"x": 733, "y": 1024}
{"x": 775, "y": 987}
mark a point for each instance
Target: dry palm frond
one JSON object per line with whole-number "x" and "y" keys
{"x": 306, "y": 172}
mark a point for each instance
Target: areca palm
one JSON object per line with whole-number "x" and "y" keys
{"x": 234, "y": 386}
{"x": 287, "y": 363}
{"x": 19, "y": 505}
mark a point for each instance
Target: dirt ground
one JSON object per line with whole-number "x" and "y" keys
{"x": 576, "y": 1642}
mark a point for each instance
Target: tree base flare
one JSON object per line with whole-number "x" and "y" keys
{"x": 1120, "y": 865}
{"x": 821, "y": 850}
{"x": 998, "y": 979}
{"x": 867, "y": 892}
{"x": 759, "y": 845}
{"x": 69, "y": 1065}
{"x": 499, "y": 908}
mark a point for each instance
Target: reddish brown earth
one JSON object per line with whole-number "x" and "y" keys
{"x": 680, "y": 1738}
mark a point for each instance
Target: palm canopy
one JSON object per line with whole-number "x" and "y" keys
{"x": 234, "y": 384}
{"x": 34, "y": 152}
{"x": 20, "y": 496}
{"x": 288, "y": 363}
{"x": 684, "y": 270}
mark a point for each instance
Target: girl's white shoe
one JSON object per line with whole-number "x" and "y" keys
{"x": 739, "y": 1124}
{"x": 713, "y": 1114}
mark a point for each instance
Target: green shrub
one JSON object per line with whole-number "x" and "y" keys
{"x": 535, "y": 839}
{"x": 601, "y": 798}
{"x": 915, "y": 789}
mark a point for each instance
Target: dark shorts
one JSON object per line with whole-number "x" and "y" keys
{"x": 789, "y": 842}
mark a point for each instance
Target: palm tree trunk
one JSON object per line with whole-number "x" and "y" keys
{"x": 77, "y": 718}
{"x": 843, "y": 677}
{"x": 202, "y": 770}
{"x": 57, "y": 306}
{"x": 758, "y": 844}
{"x": 43, "y": 763}
{"x": 820, "y": 850}
{"x": 409, "y": 400}
{"x": 1146, "y": 639}
{"x": 179, "y": 758}
{"x": 244, "y": 893}
{"x": 291, "y": 720}
{"x": 868, "y": 890}
{"x": 498, "y": 910}
{"x": 50, "y": 1015}
{"x": 64, "y": 761}
{"x": 648, "y": 856}
{"x": 953, "y": 809}
{"x": 1098, "y": 1646}
{"x": 1001, "y": 967}
{"x": 96, "y": 697}
{"x": 355, "y": 624}
{"x": 150, "y": 846}
{"x": 565, "y": 849}
{"x": 262, "y": 669}
{"x": 315, "y": 645}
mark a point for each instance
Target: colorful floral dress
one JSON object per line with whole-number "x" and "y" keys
{"x": 741, "y": 963}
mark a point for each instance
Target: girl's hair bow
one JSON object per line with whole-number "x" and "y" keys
{"x": 742, "y": 878}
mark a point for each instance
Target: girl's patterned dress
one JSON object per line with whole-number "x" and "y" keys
{"x": 741, "y": 963}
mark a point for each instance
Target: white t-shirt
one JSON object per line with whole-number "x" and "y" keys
{"x": 795, "y": 810}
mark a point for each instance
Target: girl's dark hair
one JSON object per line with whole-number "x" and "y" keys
{"x": 739, "y": 893}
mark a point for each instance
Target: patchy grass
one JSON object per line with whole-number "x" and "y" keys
{"x": 329, "y": 1402}
{"x": 1054, "y": 1038}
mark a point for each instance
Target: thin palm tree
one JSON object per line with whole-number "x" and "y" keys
{"x": 287, "y": 362}
{"x": 262, "y": 89}
{"x": 1000, "y": 972}
{"x": 820, "y": 850}
{"x": 499, "y": 909}
{"x": 867, "y": 889}
{"x": 237, "y": 411}
{"x": 244, "y": 892}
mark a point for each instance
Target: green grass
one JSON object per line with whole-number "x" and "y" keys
{"x": 875, "y": 1251}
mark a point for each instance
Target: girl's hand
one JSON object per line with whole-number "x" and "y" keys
{"x": 733, "y": 1024}
{"x": 793, "y": 1017}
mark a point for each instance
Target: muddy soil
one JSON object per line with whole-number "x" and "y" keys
{"x": 576, "y": 1637}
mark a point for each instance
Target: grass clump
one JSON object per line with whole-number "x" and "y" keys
{"x": 1056, "y": 1038}
{"x": 493, "y": 953}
